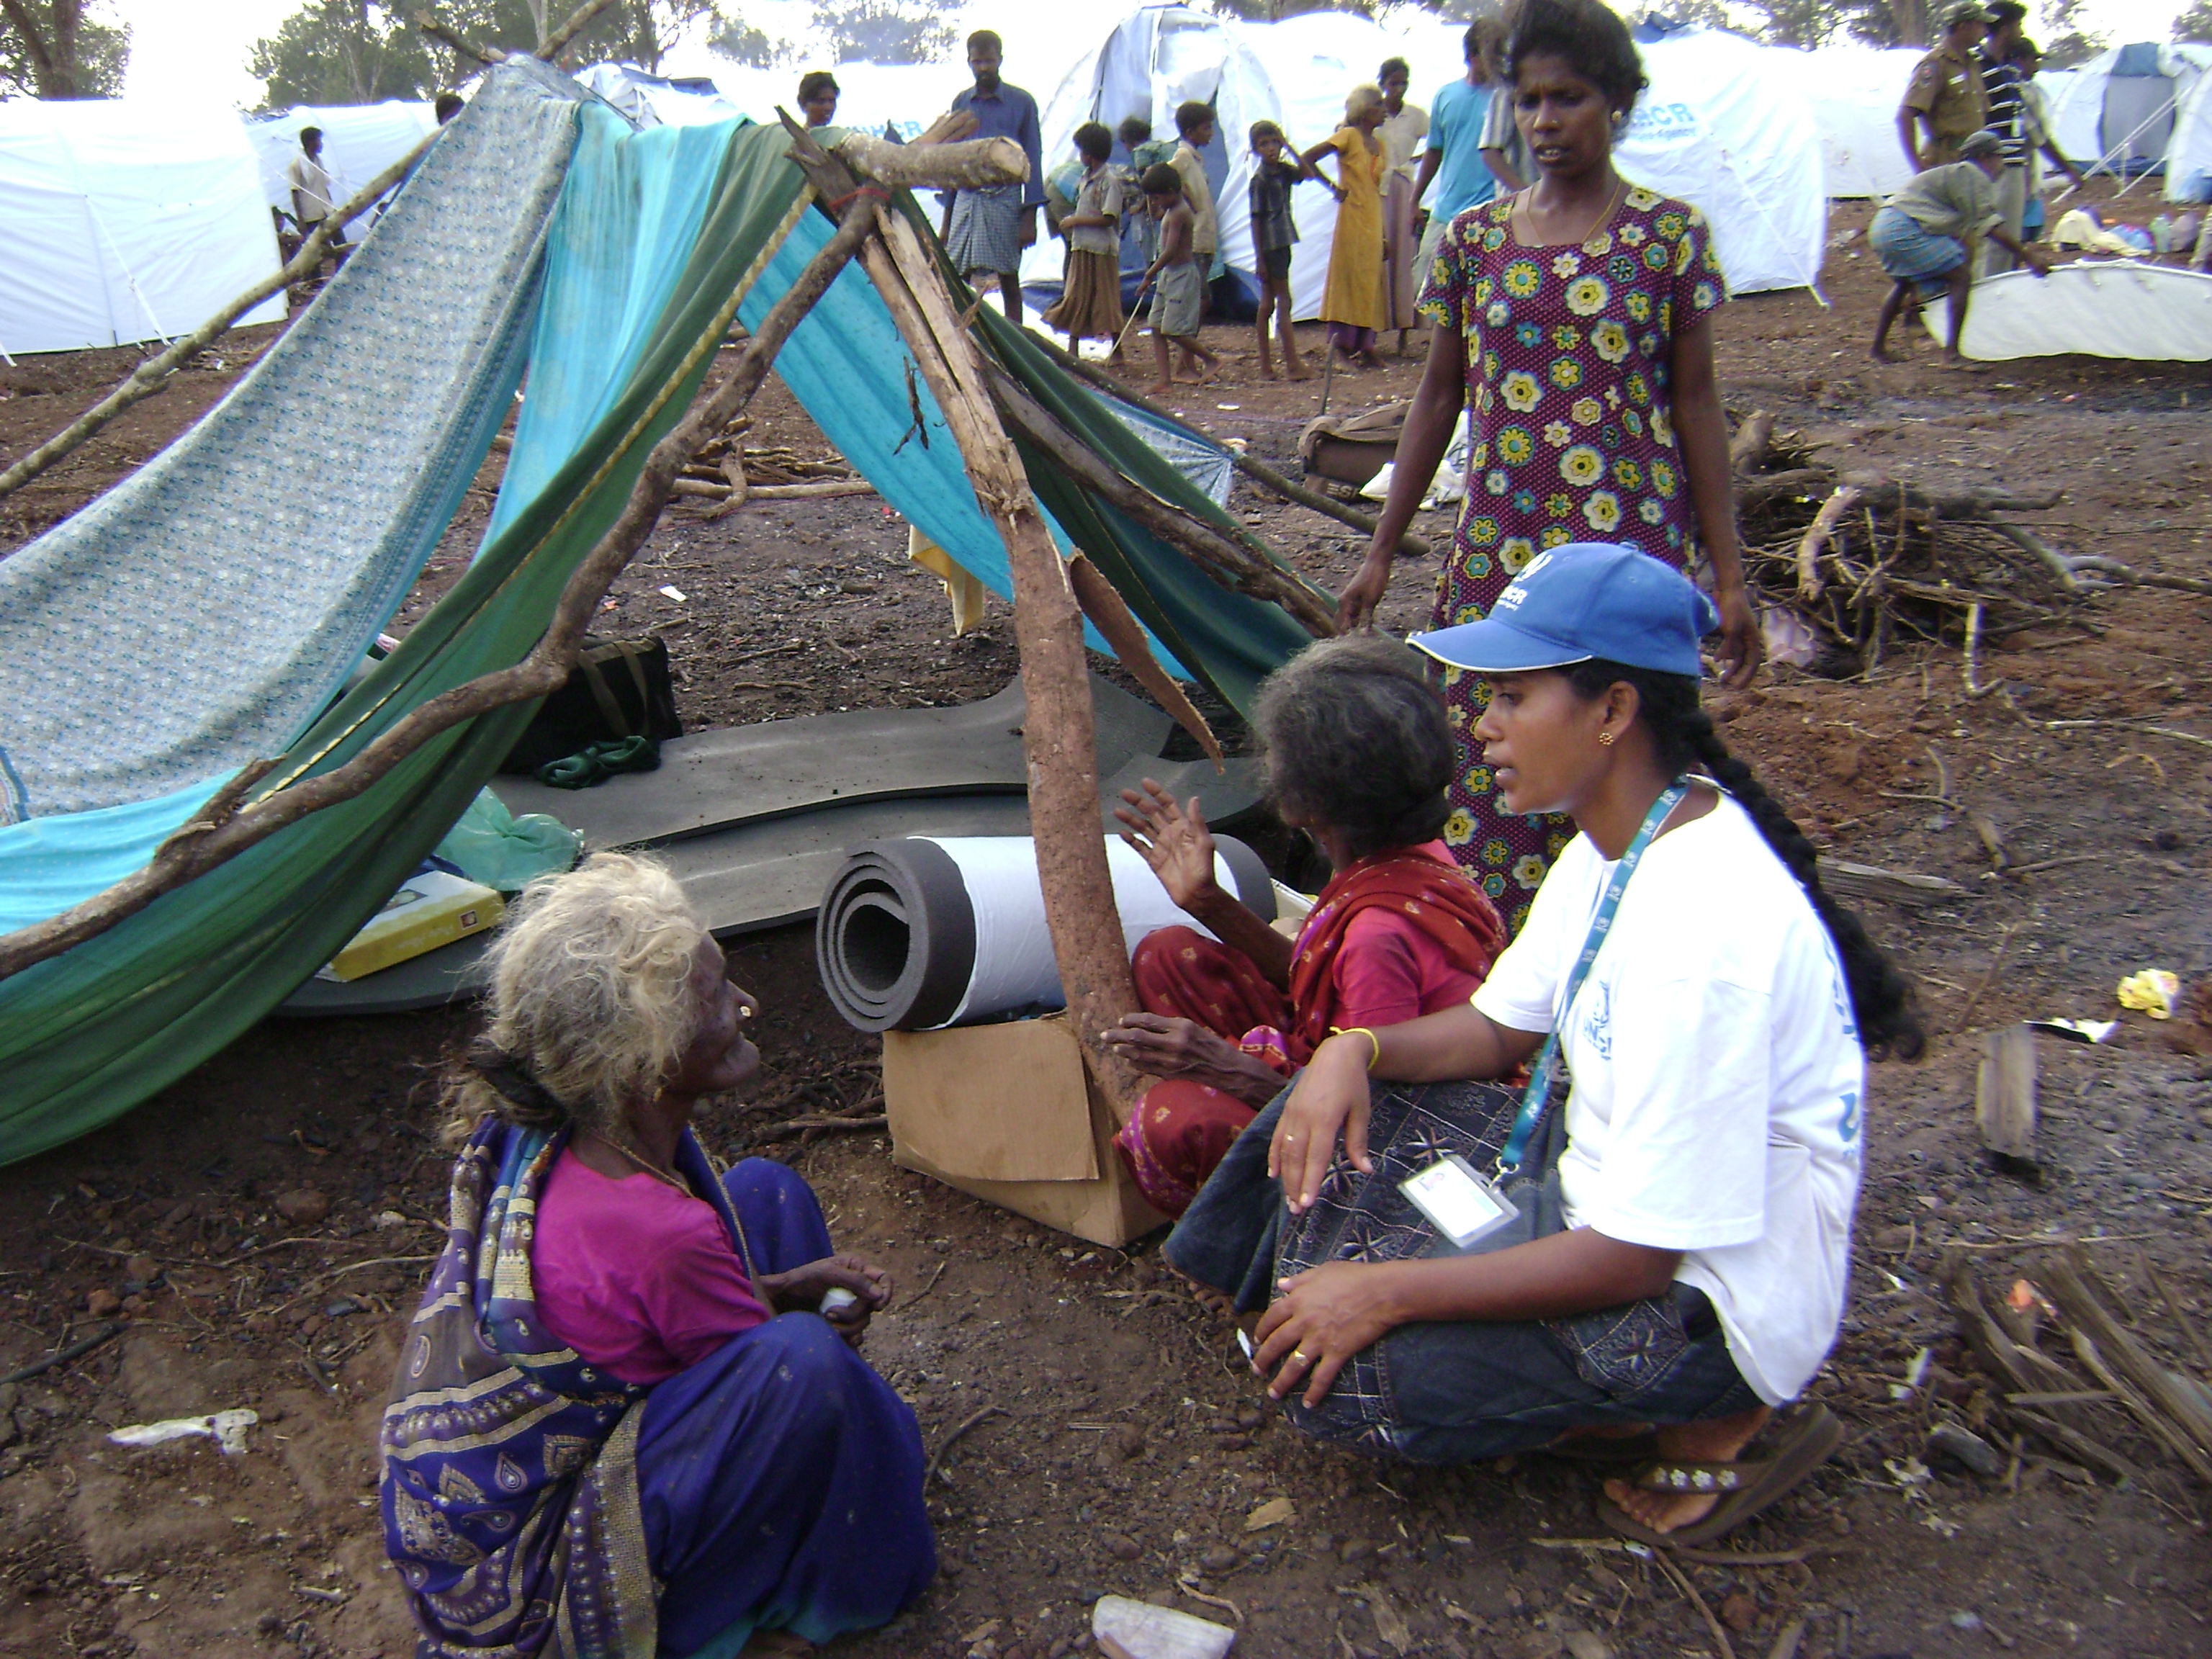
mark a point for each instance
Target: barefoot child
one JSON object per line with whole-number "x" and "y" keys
{"x": 1091, "y": 296}
{"x": 1273, "y": 234}
{"x": 1179, "y": 284}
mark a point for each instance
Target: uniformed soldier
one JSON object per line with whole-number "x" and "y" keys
{"x": 1946, "y": 93}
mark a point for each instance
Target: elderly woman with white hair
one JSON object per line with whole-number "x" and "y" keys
{"x": 630, "y": 1416}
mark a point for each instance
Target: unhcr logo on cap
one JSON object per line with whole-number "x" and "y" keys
{"x": 1511, "y": 597}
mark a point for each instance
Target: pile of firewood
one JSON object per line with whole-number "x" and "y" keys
{"x": 1867, "y": 560}
{"x": 2080, "y": 1370}
{"x": 724, "y": 469}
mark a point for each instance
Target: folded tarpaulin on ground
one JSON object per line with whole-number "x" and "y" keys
{"x": 2097, "y": 308}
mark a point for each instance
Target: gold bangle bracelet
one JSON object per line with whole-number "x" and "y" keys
{"x": 1374, "y": 1043}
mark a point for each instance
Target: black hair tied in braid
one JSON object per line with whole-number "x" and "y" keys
{"x": 1882, "y": 998}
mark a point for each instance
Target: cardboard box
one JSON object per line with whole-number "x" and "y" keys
{"x": 1008, "y": 1114}
{"x": 431, "y": 910}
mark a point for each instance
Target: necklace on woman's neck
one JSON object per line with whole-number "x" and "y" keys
{"x": 1606, "y": 210}
{"x": 668, "y": 1177}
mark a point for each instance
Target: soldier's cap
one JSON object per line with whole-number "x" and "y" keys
{"x": 1964, "y": 11}
{"x": 1978, "y": 145}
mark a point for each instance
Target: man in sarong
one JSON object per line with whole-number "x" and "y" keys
{"x": 986, "y": 230}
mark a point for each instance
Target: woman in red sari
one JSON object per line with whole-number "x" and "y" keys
{"x": 1359, "y": 756}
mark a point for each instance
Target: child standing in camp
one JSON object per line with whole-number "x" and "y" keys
{"x": 1091, "y": 297}
{"x": 1181, "y": 282}
{"x": 1194, "y": 122}
{"x": 1141, "y": 234}
{"x": 1273, "y": 234}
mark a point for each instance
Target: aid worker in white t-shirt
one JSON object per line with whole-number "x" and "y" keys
{"x": 1714, "y": 1044}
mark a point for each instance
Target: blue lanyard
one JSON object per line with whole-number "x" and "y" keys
{"x": 1539, "y": 1075}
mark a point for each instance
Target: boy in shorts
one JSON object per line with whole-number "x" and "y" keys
{"x": 1178, "y": 282}
{"x": 1274, "y": 231}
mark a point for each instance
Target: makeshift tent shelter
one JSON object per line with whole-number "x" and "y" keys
{"x": 123, "y": 220}
{"x": 359, "y": 142}
{"x": 2118, "y": 110}
{"x": 1853, "y": 92}
{"x": 659, "y": 240}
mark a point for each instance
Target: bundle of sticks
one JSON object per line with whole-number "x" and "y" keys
{"x": 2079, "y": 1369}
{"x": 724, "y": 469}
{"x": 1867, "y": 559}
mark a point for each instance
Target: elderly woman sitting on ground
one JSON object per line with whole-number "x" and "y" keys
{"x": 1359, "y": 754}
{"x": 628, "y": 1416}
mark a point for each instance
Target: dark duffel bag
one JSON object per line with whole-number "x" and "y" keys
{"x": 618, "y": 689}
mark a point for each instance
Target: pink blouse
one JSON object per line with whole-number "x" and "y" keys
{"x": 640, "y": 1280}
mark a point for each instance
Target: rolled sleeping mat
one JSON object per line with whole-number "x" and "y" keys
{"x": 923, "y": 933}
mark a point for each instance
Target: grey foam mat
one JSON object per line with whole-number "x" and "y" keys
{"x": 756, "y": 820}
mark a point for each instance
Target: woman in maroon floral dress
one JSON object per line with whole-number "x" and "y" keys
{"x": 1573, "y": 324}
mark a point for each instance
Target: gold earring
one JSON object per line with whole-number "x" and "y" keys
{"x": 1606, "y": 737}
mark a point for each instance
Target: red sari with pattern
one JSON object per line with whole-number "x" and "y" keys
{"x": 1571, "y": 438}
{"x": 1401, "y": 934}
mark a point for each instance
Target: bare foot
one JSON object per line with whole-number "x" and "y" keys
{"x": 1267, "y": 369}
{"x": 1158, "y": 389}
{"x": 1372, "y": 360}
{"x": 1300, "y": 371}
{"x": 1879, "y": 355}
{"x": 1716, "y": 1441}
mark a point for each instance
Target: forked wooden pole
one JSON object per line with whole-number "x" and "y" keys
{"x": 1058, "y": 733}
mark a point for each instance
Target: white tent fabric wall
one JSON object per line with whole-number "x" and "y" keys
{"x": 1719, "y": 128}
{"x": 1853, "y": 92}
{"x": 359, "y": 142}
{"x": 2189, "y": 152}
{"x": 660, "y": 100}
{"x": 123, "y": 220}
{"x": 905, "y": 96}
{"x": 2127, "y": 308}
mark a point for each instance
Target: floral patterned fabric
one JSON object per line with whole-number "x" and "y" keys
{"x": 1571, "y": 439}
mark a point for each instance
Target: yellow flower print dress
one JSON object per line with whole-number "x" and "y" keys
{"x": 1571, "y": 439}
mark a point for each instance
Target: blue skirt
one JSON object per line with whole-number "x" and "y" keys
{"x": 1909, "y": 254}
{"x": 780, "y": 1478}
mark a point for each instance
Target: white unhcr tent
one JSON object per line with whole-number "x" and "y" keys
{"x": 904, "y": 97}
{"x": 1853, "y": 92}
{"x": 359, "y": 141}
{"x": 122, "y": 221}
{"x": 2189, "y": 152}
{"x": 660, "y": 100}
{"x": 2119, "y": 108}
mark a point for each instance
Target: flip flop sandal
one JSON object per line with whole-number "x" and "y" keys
{"x": 578, "y": 771}
{"x": 599, "y": 762}
{"x": 1745, "y": 1487}
{"x": 628, "y": 754}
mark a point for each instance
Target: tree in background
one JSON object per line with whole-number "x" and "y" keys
{"x": 741, "y": 43}
{"x": 343, "y": 51}
{"x": 1273, "y": 11}
{"x": 884, "y": 31}
{"x": 2066, "y": 42}
{"x": 52, "y": 49}
{"x": 2195, "y": 23}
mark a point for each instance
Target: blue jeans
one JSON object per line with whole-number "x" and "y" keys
{"x": 1456, "y": 1391}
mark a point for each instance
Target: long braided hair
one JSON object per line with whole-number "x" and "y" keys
{"x": 1882, "y": 998}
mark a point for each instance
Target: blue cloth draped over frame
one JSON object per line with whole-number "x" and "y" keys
{"x": 535, "y": 1505}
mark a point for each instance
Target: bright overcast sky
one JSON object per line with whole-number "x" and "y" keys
{"x": 198, "y": 50}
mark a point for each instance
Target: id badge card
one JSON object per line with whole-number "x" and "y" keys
{"x": 1459, "y": 1203}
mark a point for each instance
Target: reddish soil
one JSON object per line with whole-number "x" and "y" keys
{"x": 1135, "y": 1443}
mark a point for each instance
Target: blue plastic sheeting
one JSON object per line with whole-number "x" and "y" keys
{"x": 849, "y": 367}
{"x": 625, "y": 229}
{"x": 48, "y": 864}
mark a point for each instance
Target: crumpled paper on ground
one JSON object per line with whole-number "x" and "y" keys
{"x": 2154, "y": 992}
{"x": 226, "y": 1429}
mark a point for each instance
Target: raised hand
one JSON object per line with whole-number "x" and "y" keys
{"x": 1175, "y": 842}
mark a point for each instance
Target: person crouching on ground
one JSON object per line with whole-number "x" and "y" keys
{"x": 1274, "y": 233}
{"x": 1359, "y": 754}
{"x": 1178, "y": 284}
{"x": 1924, "y": 236}
{"x": 1674, "y": 1245}
{"x": 1091, "y": 293}
{"x": 628, "y": 1416}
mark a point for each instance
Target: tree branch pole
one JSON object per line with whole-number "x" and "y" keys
{"x": 154, "y": 375}
{"x": 1059, "y": 737}
{"x": 1259, "y": 472}
{"x": 578, "y": 21}
{"x": 428, "y": 23}
{"x": 1227, "y": 562}
{"x": 222, "y": 829}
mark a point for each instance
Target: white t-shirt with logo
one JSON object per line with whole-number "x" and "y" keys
{"x": 1717, "y": 1078}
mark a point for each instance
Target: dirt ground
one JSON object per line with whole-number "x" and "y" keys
{"x": 264, "y": 1223}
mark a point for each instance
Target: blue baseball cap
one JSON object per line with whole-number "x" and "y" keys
{"x": 1584, "y": 601}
